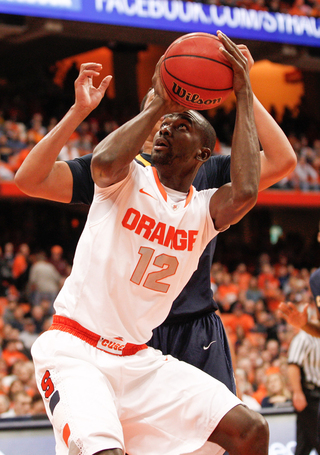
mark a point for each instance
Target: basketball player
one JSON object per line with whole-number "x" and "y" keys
{"x": 193, "y": 323}
{"x": 104, "y": 390}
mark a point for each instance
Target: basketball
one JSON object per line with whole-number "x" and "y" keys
{"x": 195, "y": 73}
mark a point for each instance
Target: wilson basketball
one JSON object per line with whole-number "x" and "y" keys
{"x": 195, "y": 73}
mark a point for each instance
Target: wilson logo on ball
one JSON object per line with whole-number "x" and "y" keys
{"x": 195, "y": 73}
{"x": 193, "y": 98}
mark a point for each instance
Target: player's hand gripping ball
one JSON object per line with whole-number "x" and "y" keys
{"x": 195, "y": 73}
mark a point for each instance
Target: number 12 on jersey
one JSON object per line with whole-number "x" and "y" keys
{"x": 168, "y": 265}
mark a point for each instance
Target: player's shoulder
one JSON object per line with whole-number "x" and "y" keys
{"x": 315, "y": 282}
{"x": 217, "y": 170}
{"x": 315, "y": 276}
{"x": 81, "y": 161}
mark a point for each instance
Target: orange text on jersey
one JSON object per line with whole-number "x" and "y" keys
{"x": 169, "y": 236}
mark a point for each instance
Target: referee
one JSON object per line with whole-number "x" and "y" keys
{"x": 304, "y": 378}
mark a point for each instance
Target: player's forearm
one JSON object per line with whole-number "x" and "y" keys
{"x": 245, "y": 156}
{"x": 312, "y": 328}
{"x": 113, "y": 155}
{"x": 294, "y": 376}
{"x": 40, "y": 162}
{"x": 278, "y": 158}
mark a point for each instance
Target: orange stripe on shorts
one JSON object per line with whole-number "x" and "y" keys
{"x": 66, "y": 434}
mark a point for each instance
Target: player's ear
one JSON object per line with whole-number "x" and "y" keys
{"x": 203, "y": 154}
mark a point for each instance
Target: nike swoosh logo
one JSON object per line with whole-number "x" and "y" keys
{"x": 207, "y": 347}
{"x": 144, "y": 192}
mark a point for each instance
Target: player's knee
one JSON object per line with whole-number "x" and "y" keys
{"x": 254, "y": 435}
{"x": 242, "y": 431}
{"x": 257, "y": 430}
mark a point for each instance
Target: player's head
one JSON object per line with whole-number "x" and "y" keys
{"x": 183, "y": 137}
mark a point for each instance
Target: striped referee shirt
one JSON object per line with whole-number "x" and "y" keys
{"x": 304, "y": 351}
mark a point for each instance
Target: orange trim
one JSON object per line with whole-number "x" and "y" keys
{"x": 66, "y": 434}
{"x": 189, "y": 196}
{"x": 159, "y": 184}
{"x": 68, "y": 325}
{"x": 163, "y": 191}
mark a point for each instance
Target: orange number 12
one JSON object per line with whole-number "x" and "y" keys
{"x": 168, "y": 264}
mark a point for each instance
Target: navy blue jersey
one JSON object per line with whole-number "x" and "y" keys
{"x": 83, "y": 186}
{"x": 315, "y": 288}
{"x": 196, "y": 298}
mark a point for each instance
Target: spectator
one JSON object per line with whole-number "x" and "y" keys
{"x": 6, "y": 263}
{"x": 56, "y": 259}
{"x": 39, "y": 316}
{"x": 20, "y": 267}
{"x": 227, "y": 293}
{"x": 44, "y": 280}
{"x": 238, "y": 319}
{"x": 37, "y": 130}
{"x": 273, "y": 348}
{"x": 15, "y": 387}
{"x": 16, "y": 160}
{"x": 21, "y": 405}
{"x": 5, "y": 149}
{"x": 244, "y": 390}
{"x": 70, "y": 150}
{"x": 15, "y": 135}
{"x": 37, "y": 405}
{"x": 12, "y": 350}
{"x": 278, "y": 394}
{"x": 4, "y": 405}
{"x": 260, "y": 390}
{"x": 9, "y": 312}
{"x": 305, "y": 177}
{"x": 241, "y": 276}
{"x": 18, "y": 316}
{"x": 300, "y": 8}
{"x": 253, "y": 292}
{"x": 3, "y": 371}
{"x": 28, "y": 335}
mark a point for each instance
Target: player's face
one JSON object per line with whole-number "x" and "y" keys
{"x": 178, "y": 139}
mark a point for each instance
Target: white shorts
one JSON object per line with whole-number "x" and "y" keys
{"x": 145, "y": 404}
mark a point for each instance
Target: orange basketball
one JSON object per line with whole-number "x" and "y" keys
{"x": 195, "y": 73}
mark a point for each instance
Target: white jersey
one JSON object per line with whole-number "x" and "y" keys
{"x": 136, "y": 253}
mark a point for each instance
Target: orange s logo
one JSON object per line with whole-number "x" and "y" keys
{"x": 47, "y": 384}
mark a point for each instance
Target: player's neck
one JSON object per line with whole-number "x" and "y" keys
{"x": 174, "y": 180}
{"x": 147, "y": 147}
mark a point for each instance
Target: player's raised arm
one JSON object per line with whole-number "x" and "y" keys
{"x": 278, "y": 158}
{"x": 113, "y": 155}
{"x": 40, "y": 175}
{"x": 232, "y": 201}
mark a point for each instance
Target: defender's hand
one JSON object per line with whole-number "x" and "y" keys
{"x": 87, "y": 96}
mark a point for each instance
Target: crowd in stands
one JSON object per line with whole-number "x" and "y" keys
{"x": 294, "y": 7}
{"x": 248, "y": 298}
{"x": 18, "y": 138}
{"x": 29, "y": 284}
